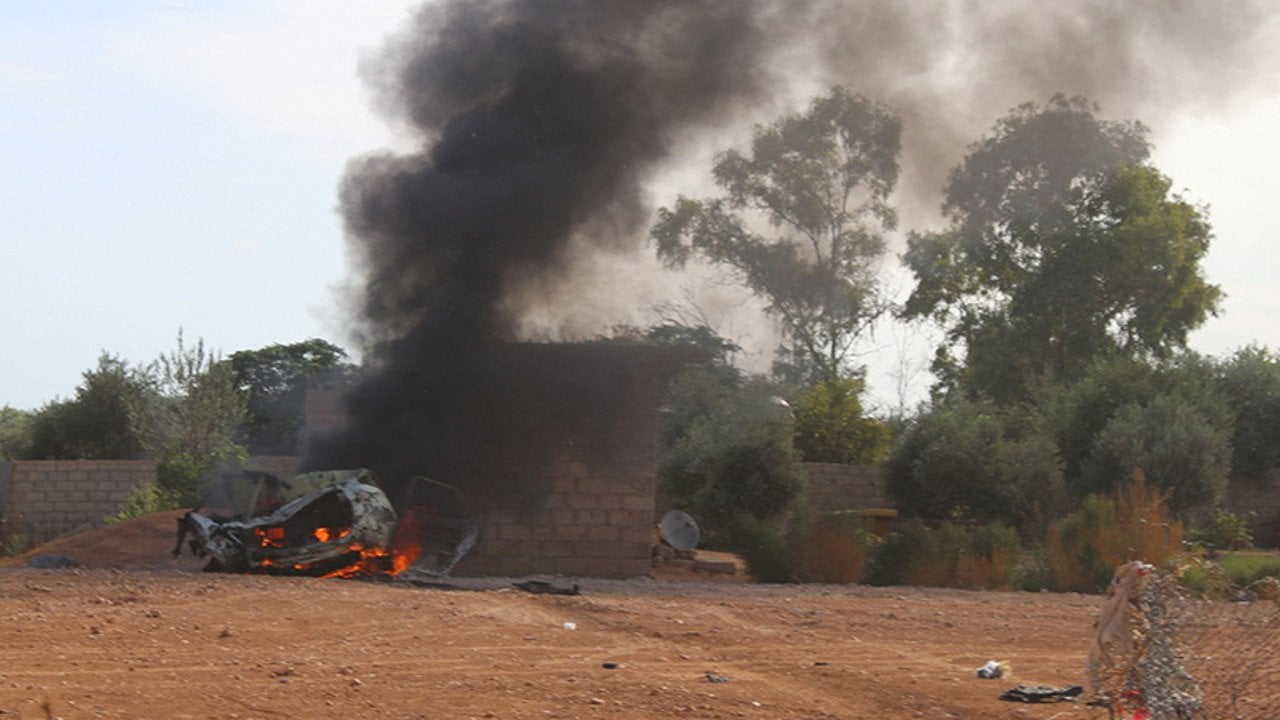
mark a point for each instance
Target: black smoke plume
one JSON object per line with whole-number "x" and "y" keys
{"x": 540, "y": 123}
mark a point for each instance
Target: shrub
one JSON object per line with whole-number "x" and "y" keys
{"x": 954, "y": 555}
{"x": 190, "y": 417}
{"x": 146, "y": 499}
{"x": 974, "y": 461}
{"x": 1224, "y": 530}
{"x": 830, "y": 427}
{"x": 1175, "y": 444}
{"x": 1133, "y": 523}
{"x": 1228, "y": 575}
{"x": 763, "y": 547}
{"x": 906, "y": 557}
{"x": 1246, "y": 568}
{"x": 96, "y": 423}
{"x": 727, "y": 450}
{"x": 834, "y": 550}
{"x": 1251, "y": 381}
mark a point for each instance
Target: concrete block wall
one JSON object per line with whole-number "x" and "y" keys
{"x": 43, "y": 499}
{"x": 47, "y": 498}
{"x": 591, "y": 522}
{"x": 835, "y": 487}
{"x": 1261, "y": 503}
{"x": 581, "y": 501}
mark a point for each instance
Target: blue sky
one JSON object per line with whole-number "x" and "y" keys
{"x": 174, "y": 165}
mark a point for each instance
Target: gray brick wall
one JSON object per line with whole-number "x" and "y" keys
{"x": 48, "y": 498}
{"x": 835, "y": 487}
{"x": 587, "y": 502}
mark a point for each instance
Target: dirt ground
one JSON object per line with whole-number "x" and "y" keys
{"x": 133, "y": 634}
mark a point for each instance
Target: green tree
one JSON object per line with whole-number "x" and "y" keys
{"x": 190, "y": 420}
{"x": 1250, "y": 381}
{"x": 1170, "y": 420}
{"x": 830, "y": 426}
{"x": 800, "y": 223}
{"x": 1079, "y": 411}
{"x": 1064, "y": 246}
{"x": 1175, "y": 445}
{"x": 275, "y": 381}
{"x": 15, "y": 432}
{"x": 727, "y": 450}
{"x": 95, "y": 424}
{"x": 975, "y": 461}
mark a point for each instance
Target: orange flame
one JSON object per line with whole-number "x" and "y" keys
{"x": 324, "y": 534}
{"x": 405, "y": 547}
{"x": 377, "y": 561}
{"x": 270, "y": 536}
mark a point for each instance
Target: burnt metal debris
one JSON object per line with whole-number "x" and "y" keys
{"x": 328, "y": 523}
{"x": 1042, "y": 694}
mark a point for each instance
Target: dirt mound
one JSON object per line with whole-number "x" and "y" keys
{"x": 144, "y": 543}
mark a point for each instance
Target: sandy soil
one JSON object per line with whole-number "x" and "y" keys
{"x": 135, "y": 635}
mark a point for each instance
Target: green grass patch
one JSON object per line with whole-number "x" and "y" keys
{"x": 1226, "y": 575}
{"x": 1246, "y": 567}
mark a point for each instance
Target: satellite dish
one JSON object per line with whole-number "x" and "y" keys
{"x": 679, "y": 531}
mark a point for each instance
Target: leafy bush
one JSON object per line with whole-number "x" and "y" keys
{"x": 764, "y": 547}
{"x": 1134, "y": 523}
{"x": 1223, "y": 530}
{"x": 830, "y": 426}
{"x": 1246, "y": 568}
{"x": 1080, "y": 410}
{"x": 1250, "y": 380}
{"x": 1226, "y": 576}
{"x": 728, "y": 451}
{"x": 146, "y": 499}
{"x": 1177, "y": 447}
{"x": 907, "y": 554}
{"x": 975, "y": 461}
{"x": 96, "y": 424}
{"x": 15, "y": 432}
{"x": 954, "y": 555}
{"x": 190, "y": 418}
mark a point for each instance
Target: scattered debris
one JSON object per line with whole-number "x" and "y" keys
{"x": 570, "y": 626}
{"x": 541, "y": 587}
{"x": 994, "y": 669}
{"x": 1042, "y": 694}
{"x": 716, "y": 677}
{"x": 610, "y": 665}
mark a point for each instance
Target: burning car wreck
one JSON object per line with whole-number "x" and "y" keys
{"x": 336, "y": 523}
